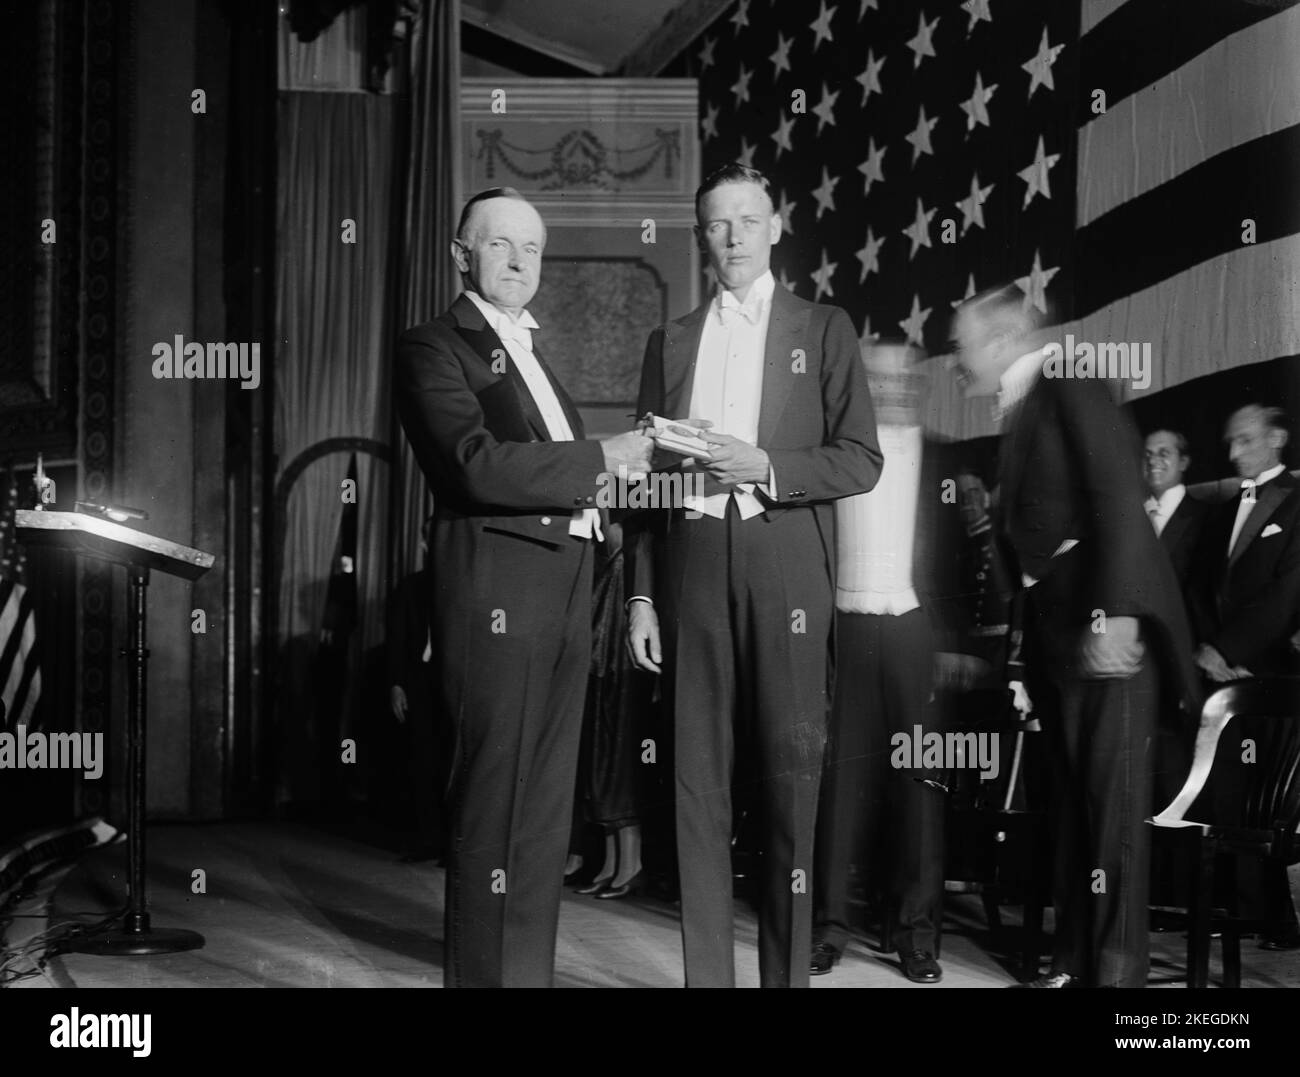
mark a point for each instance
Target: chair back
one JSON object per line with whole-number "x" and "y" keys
{"x": 1265, "y": 783}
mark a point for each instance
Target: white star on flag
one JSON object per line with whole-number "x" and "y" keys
{"x": 784, "y": 125}
{"x": 972, "y": 206}
{"x": 822, "y": 277}
{"x": 914, "y": 324}
{"x": 970, "y": 291}
{"x": 976, "y": 106}
{"x": 825, "y": 193}
{"x": 741, "y": 86}
{"x": 785, "y": 211}
{"x": 746, "y": 156}
{"x": 781, "y": 58}
{"x": 821, "y": 26}
{"x": 920, "y": 138}
{"x": 868, "y": 337}
{"x": 1035, "y": 285}
{"x": 869, "y": 256}
{"x": 824, "y": 110}
{"x": 872, "y": 168}
{"x": 867, "y": 5}
{"x": 1040, "y": 67}
{"x": 922, "y": 45}
{"x": 978, "y": 10}
{"x": 709, "y": 125}
{"x": 785, "y": 281}
{"x": 741, "y": 17}
{"x": 869, "y": 80}
{"x": 1036, "y": 174}
{"x": 919, "y": 230}
{"x": 706, "y": 53}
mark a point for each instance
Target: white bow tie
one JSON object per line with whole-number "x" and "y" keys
{"x": 729, "y": 307}
{"x": 519, "y": 331}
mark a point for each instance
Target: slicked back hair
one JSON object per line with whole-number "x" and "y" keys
{"x": 485, "y": 196}
{"x": 732, "y": 173}
{"x": 1006, "y": 306}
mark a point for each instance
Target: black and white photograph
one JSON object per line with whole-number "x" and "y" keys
{"x": 649, "y": 494}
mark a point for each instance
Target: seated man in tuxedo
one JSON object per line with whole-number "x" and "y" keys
{"x": 1177, "y": 518}
{"x": 1247, "y": 590}
{"x": 515, "y": 519}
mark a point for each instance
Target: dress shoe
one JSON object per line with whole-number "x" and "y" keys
{"x": 595, "y": 886}
{"x": 920, "y": 967}
{"x": 634, "y": 885}
{"x": 824, "y": 958}
{"x": 1285, "y": 941}
{"x": 1053, "y": 979}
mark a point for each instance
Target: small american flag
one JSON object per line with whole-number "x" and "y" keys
{"x": 20, "y": 671}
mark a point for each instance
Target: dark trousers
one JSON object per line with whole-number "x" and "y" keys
{"x": 746, "y": 615}
{"x": 516, "y": 696}
{"x": 1099, "y": 745}
{"x": 873, "y": 814}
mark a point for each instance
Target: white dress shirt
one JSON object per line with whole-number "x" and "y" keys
{"x": 876, "y": 531}
{"x": 1017, "y": 380}
{"x": 517, "y": 336}
{"x": 1246, "y": 505}
{"x": 728, "y": 386}
{"x": 1161, "y": 508}
{"x": 1013, "y": 387}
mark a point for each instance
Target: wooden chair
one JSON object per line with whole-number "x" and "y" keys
{"x": 1259, "y": 820}
{"x": 1007, "y": 855}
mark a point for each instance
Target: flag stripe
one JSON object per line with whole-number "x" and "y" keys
{"x": 1239, "y": 308}
{"x": 1233, "y": 309}
{"x": 1094, "y": 11}
{"x": 11, "y": 596}
{"x": 1191, "y": 219}
{"x": 14, "y": 624}
{"x": 1161, "y": 132}
{"x": 28, "y": 690}
{"x": 1147, "y": 39}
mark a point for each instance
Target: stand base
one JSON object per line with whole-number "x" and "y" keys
{"x": 123, "y": 943}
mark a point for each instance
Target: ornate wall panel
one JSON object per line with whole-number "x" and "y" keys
{"x": 612, "y": 166}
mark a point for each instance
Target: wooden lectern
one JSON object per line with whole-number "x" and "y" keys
{"x": 137, "y": 552}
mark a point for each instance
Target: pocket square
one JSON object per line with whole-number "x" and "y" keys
{"x": 1271, "y": 529}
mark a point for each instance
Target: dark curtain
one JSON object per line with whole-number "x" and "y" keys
{"x": 428, "y": 281}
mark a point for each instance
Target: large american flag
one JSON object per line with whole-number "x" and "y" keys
{"x": 20, "y": 671}
{"x": 1133, "y": 164}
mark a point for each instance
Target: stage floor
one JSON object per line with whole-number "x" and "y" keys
{"x": 293, "y": 905}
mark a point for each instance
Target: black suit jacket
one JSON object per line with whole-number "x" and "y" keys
{"x": 1070, "y": 471}
{"x": 1246, "y": 607}
{"x": 484, "y": 448}
{"x": 1181, "y": 536}
{"x": 816, "y": 422}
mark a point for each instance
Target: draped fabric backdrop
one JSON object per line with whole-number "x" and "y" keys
{"x": 1132, "y": 163}
{"x": 335, "y": 341}
{"x": 366, "y": 204}
{"x": 428, "y": 281}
